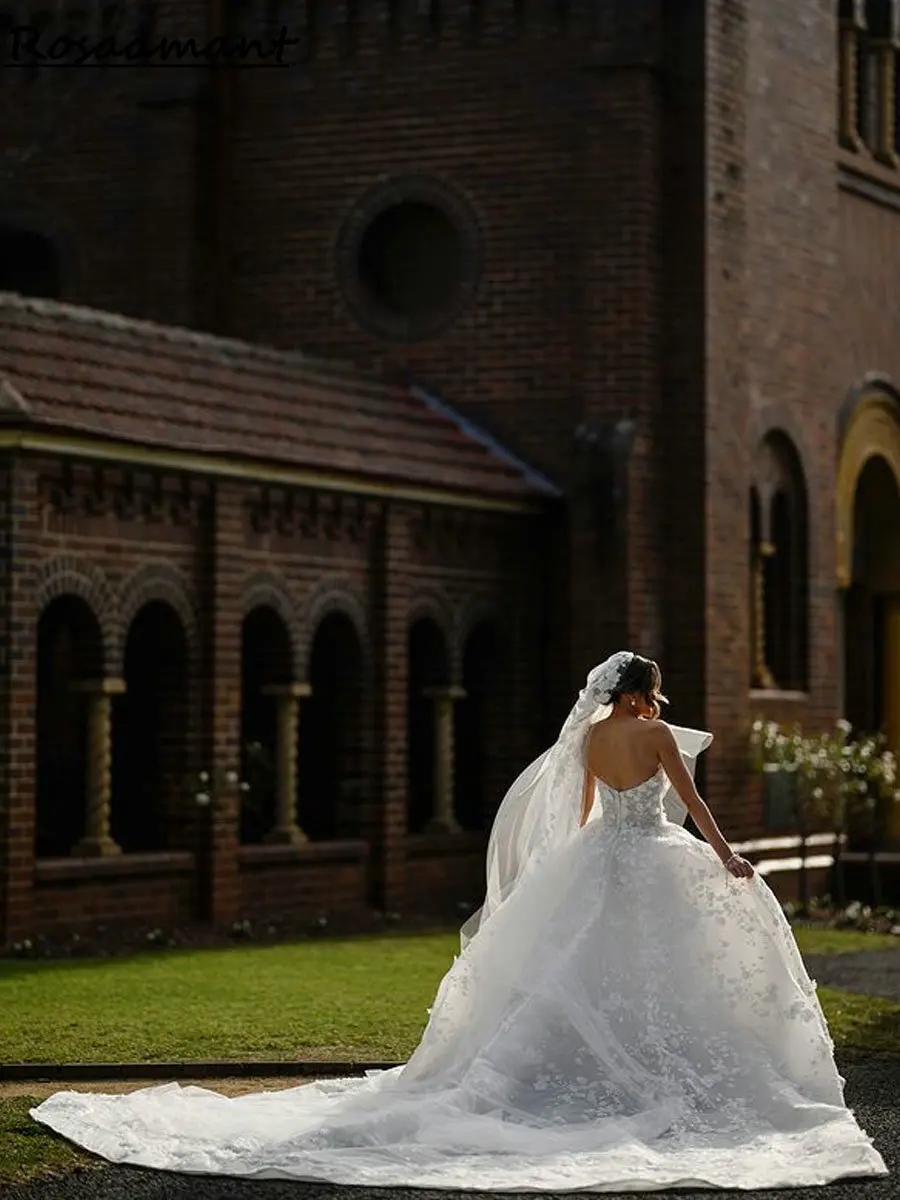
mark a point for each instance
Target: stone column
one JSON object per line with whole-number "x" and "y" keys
{"x": 97, "y": 841}
{"x": 443, "y": 820}
{"x": 762, "y": 676}
{"x": 286, "y": 831}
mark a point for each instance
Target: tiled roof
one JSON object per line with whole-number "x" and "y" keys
{"x": 73, "y": 370}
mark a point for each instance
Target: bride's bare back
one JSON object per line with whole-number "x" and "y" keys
{"x": 623, "y": 751}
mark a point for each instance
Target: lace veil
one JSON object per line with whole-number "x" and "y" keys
{"x": 542, "y": 809}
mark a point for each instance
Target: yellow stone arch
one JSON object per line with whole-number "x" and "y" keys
{"x": 873, "y": 432}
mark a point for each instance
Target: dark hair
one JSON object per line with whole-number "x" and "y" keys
{"x": 642, "y": 677}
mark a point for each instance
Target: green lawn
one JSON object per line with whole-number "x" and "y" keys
{"x": 842, "y": 941}
{"x": 356, "y": 998}
{"x": 359, "y": 997}
{"x": 28, "y": 1150}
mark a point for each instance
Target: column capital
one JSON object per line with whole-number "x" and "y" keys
{"x": 445, "y": 692}
{"x": 100, "y": 687}
{"x": 292, "y": 691}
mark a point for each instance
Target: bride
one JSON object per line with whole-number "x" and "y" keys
{"x": 629, "y": 1011}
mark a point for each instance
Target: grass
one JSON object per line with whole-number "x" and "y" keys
{"x": 28, "y": 1150}
{"x": 862, "y": 1024}
{"x": 842, "y": 941}
{"x": 354, "y": 998}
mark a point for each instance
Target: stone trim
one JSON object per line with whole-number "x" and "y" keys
{"x": 265, "y": 589}
{"x": 66, "y": 575}
{"x": 159, "y": 581}
{"x": 335, "y": 595}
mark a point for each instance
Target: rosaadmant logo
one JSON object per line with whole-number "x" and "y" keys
{"x": 37, "y": 47}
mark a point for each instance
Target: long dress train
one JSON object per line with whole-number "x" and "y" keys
{"x": 632, "y": 1019}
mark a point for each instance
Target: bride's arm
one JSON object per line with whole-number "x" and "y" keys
{"x": 587, "y": 796}
{"x": 680, "y": 778}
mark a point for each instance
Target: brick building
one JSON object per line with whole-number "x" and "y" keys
{"x": 648, "y": 246}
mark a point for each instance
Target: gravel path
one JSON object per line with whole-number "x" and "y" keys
{"x": 872, "y": 972}
{"x": 873, "y": 1090}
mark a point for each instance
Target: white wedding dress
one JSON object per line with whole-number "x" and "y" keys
{"x": 631, "y": 1018}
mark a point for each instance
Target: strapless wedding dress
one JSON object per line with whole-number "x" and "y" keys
{"x": 632, "y": 1019}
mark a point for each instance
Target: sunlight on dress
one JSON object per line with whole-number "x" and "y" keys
{"x": 632, "y": 1019}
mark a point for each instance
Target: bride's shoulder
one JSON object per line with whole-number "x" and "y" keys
{"x": 658, "y": 730}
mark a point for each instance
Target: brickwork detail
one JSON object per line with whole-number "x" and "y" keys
{"x": 66, "y": 575}
{"x": 160, "y": 581}
{"x": 266, "y": 589}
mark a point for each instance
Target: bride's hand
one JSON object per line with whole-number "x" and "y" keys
{"x": 739, "y": 867}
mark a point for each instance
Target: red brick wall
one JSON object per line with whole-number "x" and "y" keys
{"x": 66, "y": 536}
{"x": 314, "y": 880}
{"x": 156, "y": 890}
{"x": 445, "y": 878}
{"x": 773, "y": 291}
{"x": 691, "y": 266}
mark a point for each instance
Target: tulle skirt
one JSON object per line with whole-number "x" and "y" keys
{"x": 632, "y": 1019}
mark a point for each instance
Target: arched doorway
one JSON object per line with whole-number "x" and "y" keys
{"x": 266, "y": 664}
{"x": 331, "y": 772}
{"x": 479, "y": 752}
{"x": 868, "y": 520}
{"x": 69, "y": 651}
{"x": 150, "y": 735}
{"x": 429, "y": 666}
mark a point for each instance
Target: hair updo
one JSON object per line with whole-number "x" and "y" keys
{"x": 642, "y": 677}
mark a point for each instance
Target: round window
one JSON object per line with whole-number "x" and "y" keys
{"x": 407, "y": 261}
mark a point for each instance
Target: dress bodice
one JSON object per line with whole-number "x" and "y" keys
{"x": 640, "y": 806}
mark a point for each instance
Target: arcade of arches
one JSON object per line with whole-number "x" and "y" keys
{"x": 117, "y": 757}
{"x": 868, "y": 567}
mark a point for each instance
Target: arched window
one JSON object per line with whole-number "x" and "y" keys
{"x": 150, "y": 748}
{"x": 29, "y": 264}
{"x": 266, "y": 666}
{"x": 69, "y": 652}
{"x": 779, "y": 567}
{"x": 332, "y": 753}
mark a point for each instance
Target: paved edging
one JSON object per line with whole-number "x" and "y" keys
{"x": 93, "y": 1072}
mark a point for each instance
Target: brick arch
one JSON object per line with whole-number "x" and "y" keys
{"x": 330, "y": 596}
{"x": 434, "y": 604}
{"x": 159, "y": 581}
{"x": 779, "y": 419}
{"x": 771, "y": 468}
{"x": 69, "y": 576}
{"x": 266, "y": 589}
